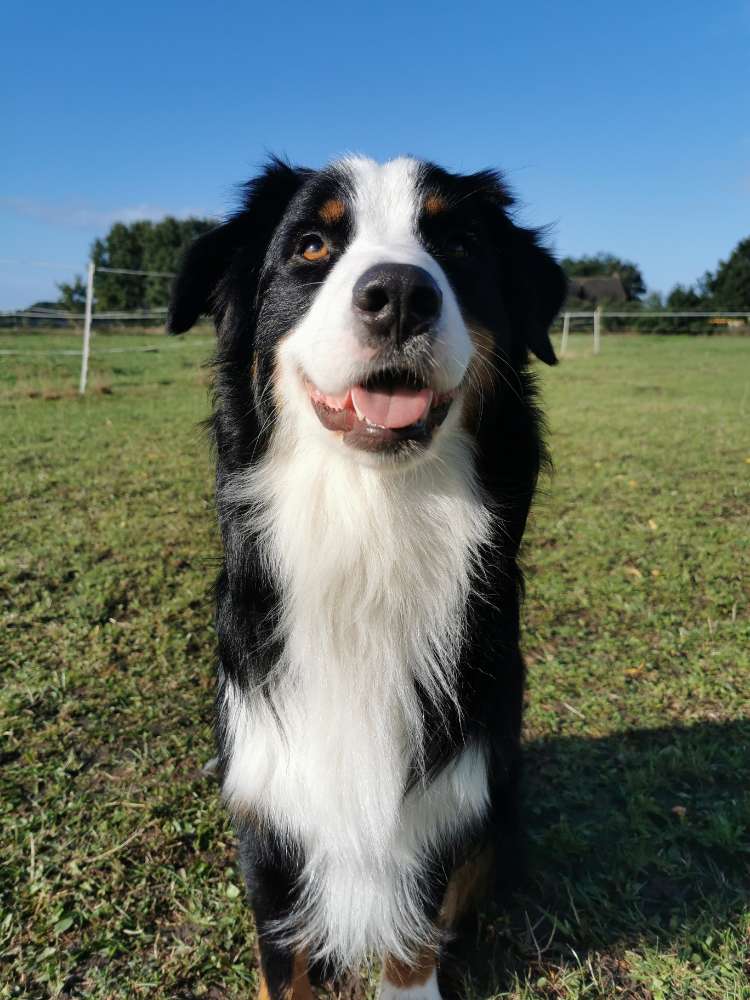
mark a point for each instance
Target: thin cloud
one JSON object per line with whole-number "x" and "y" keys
{"x": 79, "y": 215}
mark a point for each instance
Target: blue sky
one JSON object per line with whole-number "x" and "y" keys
{"x": 624, "y": 126}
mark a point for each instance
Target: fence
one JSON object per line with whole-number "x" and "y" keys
{"x": 89, "y": 313}
{"x": 597, "y": 317}
{"x": 42, "y": 315}
{"x": 636, "y": 318}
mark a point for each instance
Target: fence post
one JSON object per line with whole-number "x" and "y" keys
{"x": 87, "y": 328}
{"x": 597, "y": 329}
{"x": 565, "y": 333}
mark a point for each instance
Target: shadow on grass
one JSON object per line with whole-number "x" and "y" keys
{"x": 636, "y": 839}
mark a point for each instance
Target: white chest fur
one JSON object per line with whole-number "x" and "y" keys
{"x": 374, "y": 567}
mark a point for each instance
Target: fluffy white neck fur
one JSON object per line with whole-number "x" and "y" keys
{"x": 374, "y": 567}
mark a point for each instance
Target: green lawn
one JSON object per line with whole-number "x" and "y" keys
{"x": 117, "y": 876}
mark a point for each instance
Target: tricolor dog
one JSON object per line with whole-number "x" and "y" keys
{"x": 378, "y": 446}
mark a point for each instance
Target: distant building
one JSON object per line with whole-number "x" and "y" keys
{"x": 731, "y": 322}
{"x": 597, "y": 289}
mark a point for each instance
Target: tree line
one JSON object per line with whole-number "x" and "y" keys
{"x": 140, "y": 246}
{"x": 725, "y": 290}
{"x": 158, "y": 246}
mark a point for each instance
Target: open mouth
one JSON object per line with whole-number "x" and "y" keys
{"x": 383, "y": 412}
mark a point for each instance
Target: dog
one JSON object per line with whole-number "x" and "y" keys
{"x": 378, "y": 444}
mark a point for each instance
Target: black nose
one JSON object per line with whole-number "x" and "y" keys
{"x": 396, "y": 301}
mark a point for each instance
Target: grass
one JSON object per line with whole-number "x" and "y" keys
{"x": 118, "y": 876}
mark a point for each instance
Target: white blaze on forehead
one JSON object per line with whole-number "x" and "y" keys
{"x": 386, "y": 200}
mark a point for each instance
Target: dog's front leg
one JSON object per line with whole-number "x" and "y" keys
{"x": 270, "y": 875}
{"x": 283, "y": 973}
{"x": 416, "y": 980}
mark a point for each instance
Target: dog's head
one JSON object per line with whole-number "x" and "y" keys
{"x": 371, "y": 304}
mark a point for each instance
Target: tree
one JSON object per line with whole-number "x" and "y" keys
{"x": 729, "y": 288}
{"x": 140, "y": 246}
{"x": 683, "y": 298}
{"x": 73, "y": 296}
{"x": 653, "y": 301}
{"x": 607, "y": 264}
{"x": 726, "y": 290}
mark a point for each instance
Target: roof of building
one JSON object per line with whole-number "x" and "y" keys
{"x": 598, "y": 288}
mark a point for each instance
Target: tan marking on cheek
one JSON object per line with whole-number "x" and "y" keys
{"x": 434, "y": 204}
{"x": 481, "y": 378}
{"x": 332, "y": 211}
{"x": 404, "y": 976}
{"x": 465, "y": 885}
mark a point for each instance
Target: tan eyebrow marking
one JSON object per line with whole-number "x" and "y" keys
{"x": 332, "y": 211}
{"x": 434, "y": 204}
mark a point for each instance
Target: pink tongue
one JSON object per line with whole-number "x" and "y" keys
{"x": 399, "y": 408}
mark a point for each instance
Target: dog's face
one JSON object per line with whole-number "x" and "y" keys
{"x": 375, "y": 302}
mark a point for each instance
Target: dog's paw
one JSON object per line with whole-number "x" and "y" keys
{"x": 427, "y": 990}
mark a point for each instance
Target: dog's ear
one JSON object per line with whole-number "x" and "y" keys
{"x": 209, "y": 258}
{"x": 534, "y": 289}
{"x": 532, "y": 283}
{"x": 203, "y": 265}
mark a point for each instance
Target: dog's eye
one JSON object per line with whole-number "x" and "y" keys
{"x": 456, "y": 244}
{"x": 314, "y": 248}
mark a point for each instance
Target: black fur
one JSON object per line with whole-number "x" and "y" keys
{"x": 506, "y": 281}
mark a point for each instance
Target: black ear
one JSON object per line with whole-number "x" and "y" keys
{"x": 209, "y": 259}
{"x": 203, "y": 266}
{"x": 534, "y": 288}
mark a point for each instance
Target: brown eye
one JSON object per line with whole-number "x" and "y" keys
{"x": 314, "y": 248}
{"x": 457, "y": 244}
